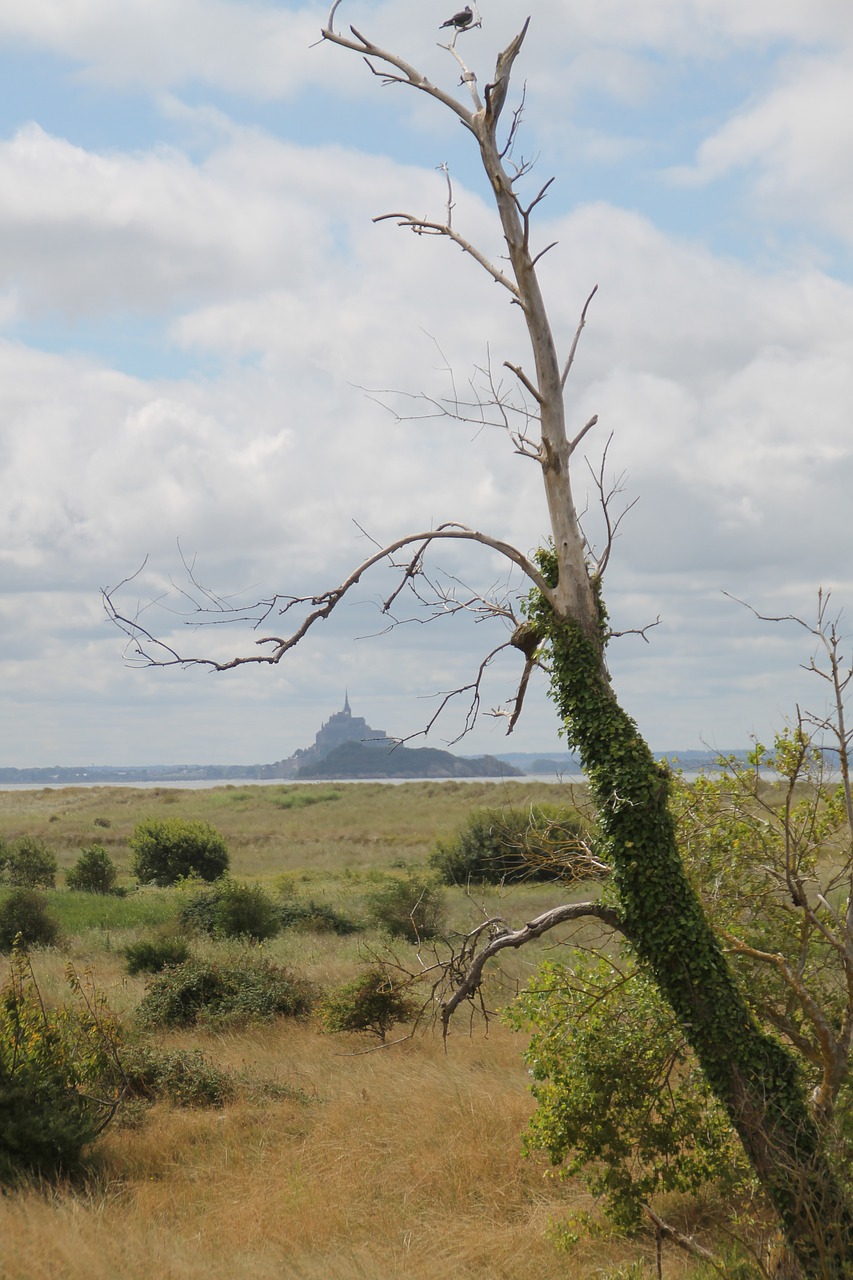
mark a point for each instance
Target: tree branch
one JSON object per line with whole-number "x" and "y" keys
{"x": 581, "y": 326}
{"x": 408, "y": 74}
{"x": 422, "y": 227}
{"x": 469, "y": 982}
{"x": 324, "y": 603}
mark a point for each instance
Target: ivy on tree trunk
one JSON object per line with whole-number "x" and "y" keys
{"x": 752, "y": 1074}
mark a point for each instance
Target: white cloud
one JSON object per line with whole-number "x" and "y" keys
{"x": 726, "y": 384}
{"x": 725, "y": 387}
{"x": 260, "y": 48}
{"x": 794, "y": 146}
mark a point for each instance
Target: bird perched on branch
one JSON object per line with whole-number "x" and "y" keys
{"x": 460, "y": 20}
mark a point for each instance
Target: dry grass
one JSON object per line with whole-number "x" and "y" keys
{"x": 400, "y": 1163}
{"x": 332, "y": 1163}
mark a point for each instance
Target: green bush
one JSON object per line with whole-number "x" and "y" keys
{"x": 166, "y": 850}
{"x": 59, "y": 1082}
{"x": 200, "y": 990}
{"x": 302, "y": 799}
{"x": 494, "y": 846}
{"x": 184, "y": 1076}
{"x": 24, "y": 915}
{"x": 411, "y": 907}
{"x": 371, "y": 1002}
{"x": 152, "y": 955}
{"x": 29, "y": 864}
{"x": 93, "y": 872}
{"x": 232, "y": 910}
{"x": 620, "y": 1097}
{"x": 318, "y": 917}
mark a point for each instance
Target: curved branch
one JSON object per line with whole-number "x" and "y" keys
{"x": 409, "y": 74}
{"x": 325, "y": 603}
{"x": 473, "y": 976}
{"x": 422, "y": 227}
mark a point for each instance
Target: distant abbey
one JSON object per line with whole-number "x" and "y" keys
{"x": 347, "y": 747}
{"x": 339, "y": 729}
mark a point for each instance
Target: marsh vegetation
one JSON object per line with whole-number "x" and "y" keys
{"x": 319, "y": 1159}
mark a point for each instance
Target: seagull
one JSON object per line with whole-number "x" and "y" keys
{"x": 460, "y": 20}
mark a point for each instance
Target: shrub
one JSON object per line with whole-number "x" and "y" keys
{"x": 29, "y": 864}
{"x": 154, "y": 954}
{"x": 59, "y": 1081}
{"x": 184, "y": 1076}
{"x": 93, "y": 872}
{"x": 411, "y": 907}
{"x": 371, "y": 1002}
{"x": 200, "y": 990}
{"x": 316, "y": 916}
{"x": 497, "y": 846}
{"x": 24, "y": 915}
{"x": 232, "y": 910}
{"x": 165, "y": 850}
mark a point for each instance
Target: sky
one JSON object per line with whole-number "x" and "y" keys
{"x": 212, "y": 359}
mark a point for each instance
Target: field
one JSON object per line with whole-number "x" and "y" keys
{"x": 335, "y": 1159}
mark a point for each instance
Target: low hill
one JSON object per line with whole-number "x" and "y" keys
{"x": 368, "y": 760}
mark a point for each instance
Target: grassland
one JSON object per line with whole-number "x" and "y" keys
{"x": 334, "y": 1160}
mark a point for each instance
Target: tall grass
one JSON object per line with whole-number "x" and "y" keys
{"x": 401, "y": 1163}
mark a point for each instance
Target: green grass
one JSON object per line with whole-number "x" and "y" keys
{"x": 78, "y": 912}
{"x": 271, "y": 830}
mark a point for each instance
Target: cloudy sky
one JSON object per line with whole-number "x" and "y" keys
{"x": 194, "y": 300}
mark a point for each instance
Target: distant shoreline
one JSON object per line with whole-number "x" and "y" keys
{"x": 535, "y": 765}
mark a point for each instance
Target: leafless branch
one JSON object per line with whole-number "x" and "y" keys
{"x": 542, "y": 252}
{"x": 517, "y": 115}
{"x": 470, "y": 963}
{"x": 423, "y": 227}
{"x": 490, "y": 405}
{"x": 581, "y": 326}
{"x": 606, "y": 496}
{"x": 468, "y": 77}
{"x": 473, "y": 712}
{"x": 408, "y": 74}
{"x": 523, "y": 379}
{"x": 635, "y": 631}
{"x": 159, "y": 653}
{"x": 445, "y": 169}
{"x": 687, "y": 1243}
{"x": 496, "y": 91}
{"x": 587, "y": 427}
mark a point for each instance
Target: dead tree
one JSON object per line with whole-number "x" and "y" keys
{"x": 563, "y": 622}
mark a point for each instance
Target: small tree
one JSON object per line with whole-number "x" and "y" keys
{"x": 61, "y": 1079}
{"x": 152, "y": 955}
{"x": 371, "y": 1002}
{"x": 232, "y": 910}
{"x": 24, "y": 918}
{"x": 93, "y": 872}
{"x": 29, "y": 864}
{"x": 411, "y": 907}
{"x": 164, "y": 851}
{"x": 621, "y": 1099}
